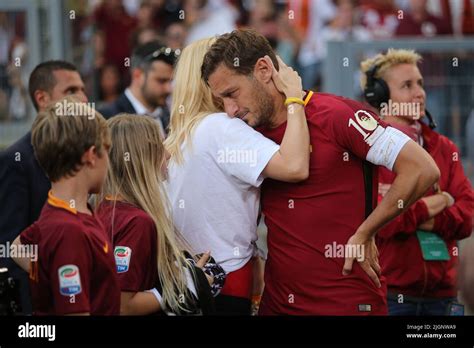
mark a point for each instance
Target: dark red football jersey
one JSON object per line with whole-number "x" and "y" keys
{"x": 309, "y": 222}
{"x": 75, "y": 269}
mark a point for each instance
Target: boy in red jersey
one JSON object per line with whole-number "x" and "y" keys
{"x": 75, "y": 269}
{"x": 308, "y": 222}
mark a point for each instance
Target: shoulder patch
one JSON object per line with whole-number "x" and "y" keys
{"x": 122, "y": 258}
{"x": 69, "y": 280}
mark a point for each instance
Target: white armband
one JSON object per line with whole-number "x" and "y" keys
{"x": 387, "y": 146}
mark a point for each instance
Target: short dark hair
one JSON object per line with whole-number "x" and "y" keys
{"x": 142, "y": 56}
{"x": 42, "y": 77}
{"x": 238, "y": 51}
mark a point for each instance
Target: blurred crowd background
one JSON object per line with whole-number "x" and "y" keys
{"x": 98, "y": 36}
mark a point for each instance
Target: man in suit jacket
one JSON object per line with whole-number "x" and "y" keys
{"x": 150, "y": 86}
{"x": 23, "y": 185}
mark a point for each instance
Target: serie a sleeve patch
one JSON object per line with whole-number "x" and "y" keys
{"x": 69, "y": 280}
{"x": 122, "y": 256}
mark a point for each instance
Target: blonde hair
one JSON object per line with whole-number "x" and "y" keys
{"x": 63, "y": 132}
{"x": 192, "y": 98}
{"x": 386, "y": 61}
{"x": 136, "y": 158}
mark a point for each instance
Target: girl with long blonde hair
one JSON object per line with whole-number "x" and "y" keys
{"x": 135, "y": 210}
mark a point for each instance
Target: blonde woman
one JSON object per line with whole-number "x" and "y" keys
{"x": 135, "y": 212}
{"x": 217, "y": 166}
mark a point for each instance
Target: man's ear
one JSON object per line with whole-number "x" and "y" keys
{"x": 263, "y": 70}
{"x": 90, "y": 156}
{"x": 42, "y": 98}
{"x": 137, "y": 75}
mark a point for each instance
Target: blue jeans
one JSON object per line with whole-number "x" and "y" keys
{"x": 422, "y": 308}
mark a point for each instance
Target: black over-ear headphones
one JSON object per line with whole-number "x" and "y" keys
{"x": 376, "y": 90}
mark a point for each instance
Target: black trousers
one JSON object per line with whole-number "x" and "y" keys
{"x": 231, "y": 305}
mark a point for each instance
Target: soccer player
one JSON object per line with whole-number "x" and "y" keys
{"x": 134, "y": 209}
{"x": 309, "y": 222}
{"x": 74, "y": 273}
{"x": 423, "y": 281}
{"x": 217, "y": 166}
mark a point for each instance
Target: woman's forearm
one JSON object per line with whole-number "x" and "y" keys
{"x": 294, "y": 147}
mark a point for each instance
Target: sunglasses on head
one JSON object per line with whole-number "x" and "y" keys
{"x": 163, "y": 51}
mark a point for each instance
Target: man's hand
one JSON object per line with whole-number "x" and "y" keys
{"x": 436, "y": 204}
{"x": 363, "y": 248}
{"x": 428, "y": 225}
{"x": 449, "y": 199}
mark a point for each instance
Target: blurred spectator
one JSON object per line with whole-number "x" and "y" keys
{"x": 289, "y": 42}
{"x": 207, "y": 18}
{"x": 146, "y": 14}
{"x": 379, "y": 17}
{"x": 150, "y": 86}
{"x": 143, "y": 36}
{"x": 17, "y": 75}
{"x": 344, "y": 26}
{"x": 466, "y": 274}
{"x": 468, "y": 18}
{"x": 297, "y": 29}
{"x": 3, "y": 105}
{"x": 116, "y": 27}
{"x": 109, "y": 82}
{"x": 418, "y": 21}
{"x": 175, "y": 36}
{"x": 243, "y": 9}
{"x": 5, "y": 41}
{"x": 19, "y": 96}
{"x": 262, "y": 18}
{"x": 167, "y": 12}
{"x": 470, "y": 144}
{"x": 271, "y": 20}
{"x": 309, "y": 17}
{"x": 461, "y": 14}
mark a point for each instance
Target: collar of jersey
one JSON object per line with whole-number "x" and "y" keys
{"x": 59, "y": 203}
{"x": 308, "y": 97}
{"x": 112, "y": 198}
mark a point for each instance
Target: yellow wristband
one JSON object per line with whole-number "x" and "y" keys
{"x": 288, "y": 101}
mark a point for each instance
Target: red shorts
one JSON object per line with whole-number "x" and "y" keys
{"x": 239, "y": 283}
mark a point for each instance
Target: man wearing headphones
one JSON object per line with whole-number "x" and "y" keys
{"x": 418, "y": 249}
